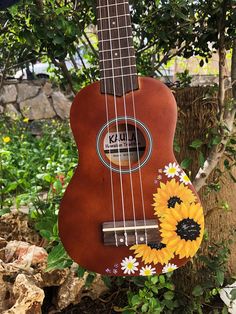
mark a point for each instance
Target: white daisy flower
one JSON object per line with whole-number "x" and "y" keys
{"x": 172, "y": 170}
{"x": 169, "y": 268}
{"x": 184, "y": 178}
{"x": 147, "y": 271}
{"x": 129, "y": 265}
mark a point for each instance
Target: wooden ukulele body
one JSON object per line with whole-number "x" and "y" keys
{"x": 87, "y": 202}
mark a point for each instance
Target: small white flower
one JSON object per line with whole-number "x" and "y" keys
{"x": 169, "y": 268}
{"x": 108, "y": 271}
{"x": 129, "y": 265}
{"x": 184, "y": 178}
{"x": 147, "y": 271}
{"x": 115, "y": 271}
{"x": 172, "y": 170}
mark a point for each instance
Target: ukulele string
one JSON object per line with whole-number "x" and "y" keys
{"x": 126, "y": 126}
{"x": 117, "y": 129}
{"x": 136, "y": 133}
{"x": 108, "y": 129}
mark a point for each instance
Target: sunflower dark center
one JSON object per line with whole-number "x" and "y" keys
{"x": 173, "y": 200}
{"x": 157, "y": 246}
{"x": 188, "y": 229}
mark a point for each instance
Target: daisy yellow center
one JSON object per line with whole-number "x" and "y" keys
{"x": 172, "y": 170}
{"x": 188, "y": 229}
{"x": 147, "y": 272}
{"x": 173, "y": 200}
{"x": 130, "y": 265}
{"x": 186, "y": 178}
{"x": 170, "y": 269}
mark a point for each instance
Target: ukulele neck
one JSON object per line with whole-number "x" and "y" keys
{"x": 116, "y": 51}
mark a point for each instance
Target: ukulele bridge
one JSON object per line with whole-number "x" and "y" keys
{"x": 131, "y": 232}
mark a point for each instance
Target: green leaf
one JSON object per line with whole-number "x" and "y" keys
{"x": 80, "y": 271}
{"x": 11, "y": 187}
{"x": 162, "y": 279}
{"x": 46, "y": 234}
{"x": 144, "y": 307}
{"x": 196, "y": 144}
{"x": 154, "y": 279}
{"x": 185, "y": 164}
{"x": 220, "y": 277}
{"x": 197, "y": 291}
{"x": 90, "y": 278}
{"x": 169, "y": 295}
{"x": 135, "y": 300}
{"x": 233, "y": 294}
{"x": 107, "y": 281}
{"x": 201, "y": 159}
{"x": 216, "y": 140}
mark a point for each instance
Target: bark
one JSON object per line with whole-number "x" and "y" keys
{"x": 66, "y": 73}
{"x": 73, "y": 61}
{"x": 233, "y": 70}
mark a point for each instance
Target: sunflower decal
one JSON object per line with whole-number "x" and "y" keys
{"x": 152, "y": 253}
{"x": 180, "y": 218}
{"x": 171, "y": 194}
{"x": 182, "y": 229}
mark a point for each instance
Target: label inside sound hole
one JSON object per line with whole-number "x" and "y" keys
{"x": 124, "y": 146}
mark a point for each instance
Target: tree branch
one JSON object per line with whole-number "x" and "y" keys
{"x": 227, "y": 130}
{"x": 227, "y": 113}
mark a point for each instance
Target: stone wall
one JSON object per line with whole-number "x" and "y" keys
{"x": 34, "y": 100}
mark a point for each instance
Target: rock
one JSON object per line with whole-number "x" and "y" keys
{"x": 29, "y": 297}
{"x": 24, "y": 255}
{"x": 15, "y": 226}
{"x": 8, "y": 94}
{"x": 37, "y": 108}
{"x": 1, "y": 109}
{"x": 26, "y": 91}
{"x": 47, "y": 89}
{"x": 61, "y": 105}
{"x": 11, "y": 112}
{"x": 73, "y": 289}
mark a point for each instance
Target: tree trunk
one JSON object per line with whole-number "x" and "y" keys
{"x": 233, "y": 70}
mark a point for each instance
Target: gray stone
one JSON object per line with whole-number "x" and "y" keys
{"x": 26, "y": 91}
{"x": 8, "y": 94}
{"x": 37, "y": 108}
{"x": 47, "y": 88}
{"x": 61, "y": 105}
{"x": 10, "y": 111}
{"x": 1, "y": 109}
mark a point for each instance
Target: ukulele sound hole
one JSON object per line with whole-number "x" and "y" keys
{"x": 124, "y": 144}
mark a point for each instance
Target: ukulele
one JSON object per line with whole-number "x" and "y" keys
{"x": 129, "y": 208}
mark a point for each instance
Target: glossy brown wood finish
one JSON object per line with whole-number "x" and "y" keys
{"x": 87, "y": 201}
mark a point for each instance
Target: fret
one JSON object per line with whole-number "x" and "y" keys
{"x": 111, "y": 2}
{"x": 110, "y": 17}
{"x": 119, "y": 58}
{"x": 111, "y": 39}
{"x": 123, "y": 67}
{"x": 114, "y": 28}
{"x": 111, "y": 5}
{"x": 122, "y": 48}
{"x": 118, "y": 76}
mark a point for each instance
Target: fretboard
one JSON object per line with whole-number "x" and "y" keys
{"x": 118, "y": 72}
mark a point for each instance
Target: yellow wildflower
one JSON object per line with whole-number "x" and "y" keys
{"x": 6, "y": 139}
{"x": 26, "y": 120}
